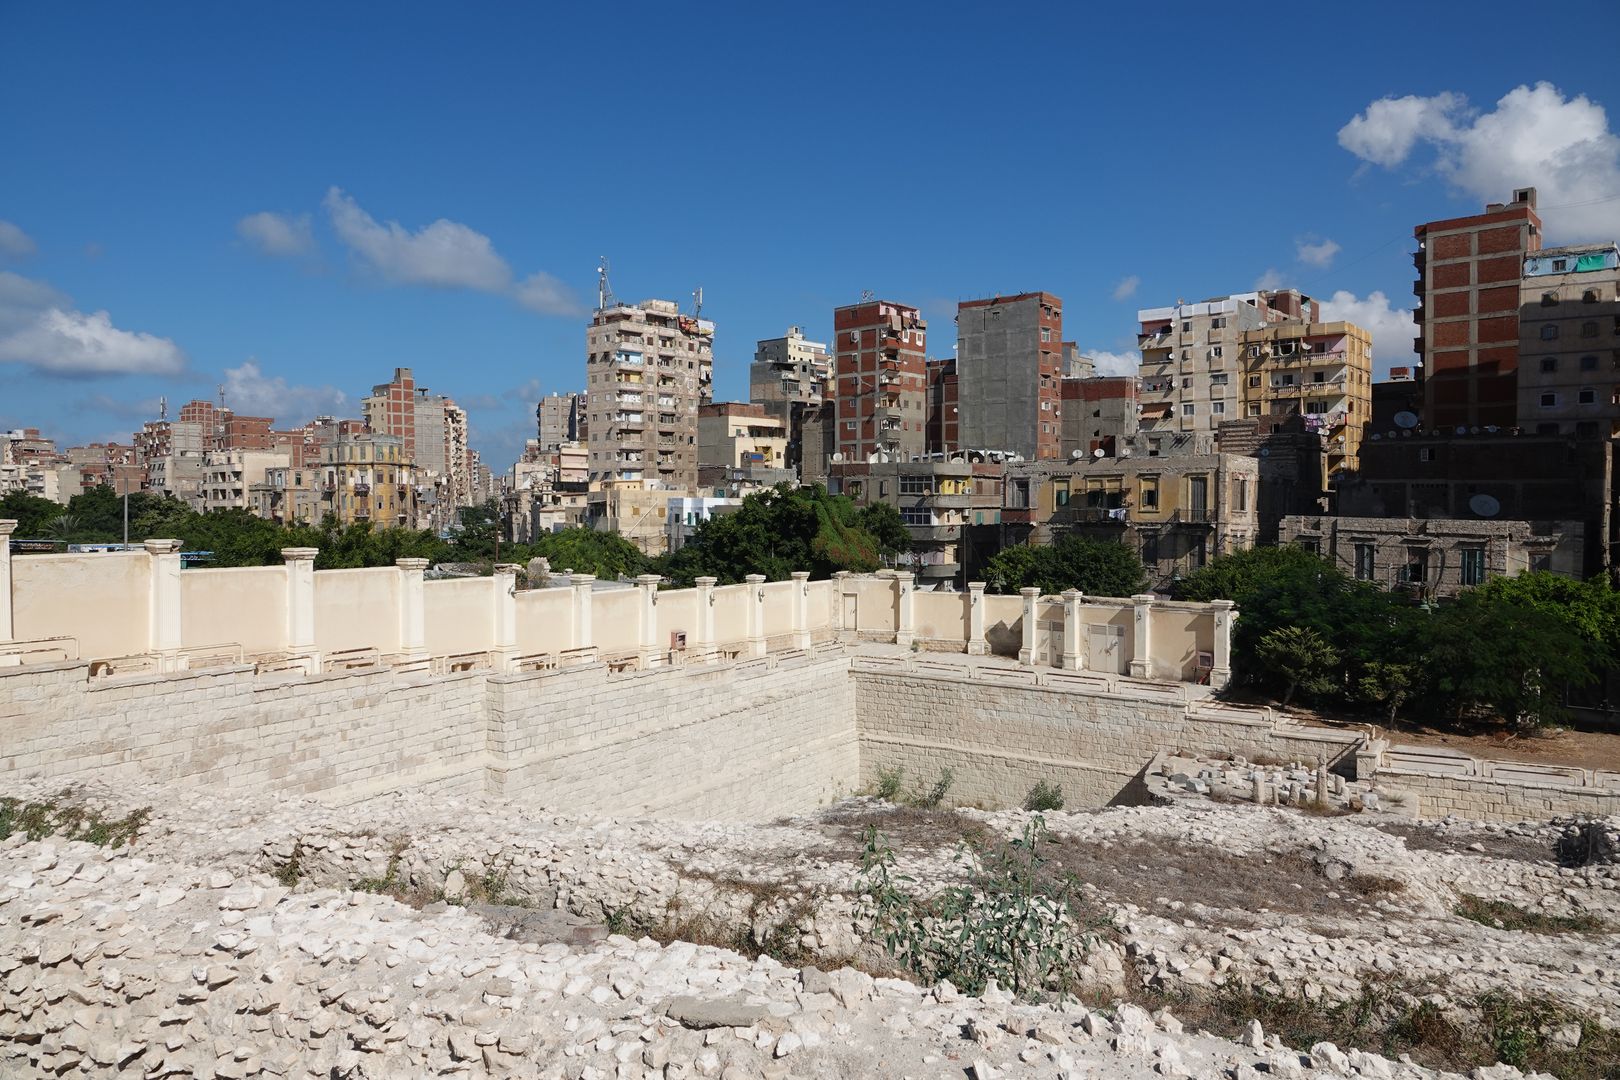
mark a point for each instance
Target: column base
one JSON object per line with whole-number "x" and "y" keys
{"x": 978, "y": 648}
{"x": 756, "y": 647}
{"x": 1139, "y": 670}
{"x": 801, "y": 640}
{"x": 1071, "y": 661}
{"x": 1220, "y": 678}
{"x": 904, "y": 637}
{"x": 1026, "y": 657}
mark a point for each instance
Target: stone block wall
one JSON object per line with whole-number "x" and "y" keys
{"x": 1489, "y": 799}
{"x": 1001, "y": 738}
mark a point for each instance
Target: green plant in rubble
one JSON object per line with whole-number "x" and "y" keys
{"x": 889, "y": 782}
{"x": 1045, "y": 795}
{"x": 1009, "y": 922}
{"x": 930, "y": 799}
{"x": 70, "y": 820}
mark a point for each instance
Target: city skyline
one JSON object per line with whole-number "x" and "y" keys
{"x": 296, "y": 237}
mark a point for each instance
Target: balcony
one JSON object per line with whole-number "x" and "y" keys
{"x": 362, "y": 489}
{"x": 890, "y": 343}
{"x": 1192, "y": 515}
{"x": 1417, "y": 288}
{"x": 925, "y": 533}
{"x": 938, "y": 571}
{"x": 1076, "y": 514}
{"x": 962, "y": 501}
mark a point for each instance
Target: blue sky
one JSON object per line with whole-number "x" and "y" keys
{"x": 294, "y": 199}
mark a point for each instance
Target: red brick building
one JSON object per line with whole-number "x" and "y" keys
{"x": 880, "y": 379}
{"x": 944, "y": 420}
{"x": 1468, "y": 312}
{"x": 391, "y": 409}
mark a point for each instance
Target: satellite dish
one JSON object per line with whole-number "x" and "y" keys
{"x": 1491, "y": 429}
{"x": 1485, "y": 505}
{"x": 1462, "y": 429}
{"x": 1406, "y": 419}
{"x": 1265, "y": 451}
{"x": 1376, "y": 436}
{"x": 1097, "y": 452}
{"x": 1077, "y": 455}
{"x": 838, "y": 457}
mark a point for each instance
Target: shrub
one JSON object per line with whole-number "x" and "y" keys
{"x": 1045, "y": 795}
{"x": 928, "y": 800}
{"x": 889, "y": 781}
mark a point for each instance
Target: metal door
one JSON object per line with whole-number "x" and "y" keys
{"x": 1105, "y": 649}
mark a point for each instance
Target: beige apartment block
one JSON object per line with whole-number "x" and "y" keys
{"x": 1251, "y": 354}
{"x": 230, "y": 475}
{"x": 632, "y": 509}
{"x": 648, "y": 368}
{"x": 1569, "y": 341}
{"x": 740, "y": 435}
{"x": 289, "y": 495}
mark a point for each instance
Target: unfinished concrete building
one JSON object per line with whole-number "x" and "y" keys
{"x": 1569, "y": 341}
{"x": 1009, "y": 362}
{"x": 648, "y": 368}
{"x": 1099, "y": 414}
{"x": 789, "y": 377}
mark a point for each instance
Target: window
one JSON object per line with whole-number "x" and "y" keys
{"x": 1153, "y": 448}
{"x": 1315, "y": 408}
{"x": 1150, "y": 492}
{"x": 915, "y": 485}
{"x": 1240, "y": 494}
{"x": 1588, "y": 363}
{"x": 1186, "y": 384}
{"x": 916, "y": 515}
{"x": 1590, "y": 296}
{"x": 1540, "y": 563}
{"x": 1217, "y": 380}
{"x": 1560, "y": 265}
{"x": 1588, "y": 397}
{"x": 1186, "y": 328}
{"x": 1150, "y": 547}
{"x": 849, "y": 425}
{"x": 1188, "y": 409}
{"x": 1416, "y": 569}
{"x": 1549, "y": 364}
{"x": 1426, "y": 454}
{"x": 1549, "y": 401}
{"x": 1549, "y": 299}
{"x": 1588, "y": 329}
{"x": 1472, "y": 564}
{"x": 1549, "y": 331}
{"x": 1318, "y": 376}
{"x": 1218, "y": 408}
{"x": 1217, "y": 323}
{"x": 1215, "y": 352}
{"x": 1254, "y": 408}
{"x": 1254, "y": 380}
{"x": 1046, "y": 333}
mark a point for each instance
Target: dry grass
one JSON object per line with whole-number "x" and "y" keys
{"x": 1505, "y": 916}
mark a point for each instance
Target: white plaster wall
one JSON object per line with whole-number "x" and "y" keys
{"x": 459, "y": 615}
{"x": 940, "y": 616}
{"x": 545, "y": 620}
{"x": 616, "y": 619}
{"x": 677, "y": 610}
{"x": 730, "y": 613}
{"x": 357, "y": 609}
{"x": 778, "y": 607}
{"x": 823, "y": 598}
{"x": 245, "y": 606}
{"x": 102, "y": 600}
{"x": 877, "y": 606}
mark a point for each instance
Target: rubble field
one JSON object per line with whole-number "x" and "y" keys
{"x": 153, "y": 931}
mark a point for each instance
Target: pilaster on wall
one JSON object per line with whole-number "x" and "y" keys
{"x": 647, "y": 638}
{"x": 412, "y": 608}
{"x": 504, "y": 639}
{"x": 300, "y": 563}
{"x": 843, "y": 586}
{"x": 1026, "y": 649}
{"x": 801, "y": 609}
{"x": 7, "y": 627}
{"x": 976, "y": 644}
{"x": 1073, "y": 658}
{"x": 756, "y": 614}
{"x": 906, "y": 621}
{"x": 703, "y": 638}
{"x": 583, "y": 584}
{"x": 1220, "y": 673}
{"x": 1142, "y": 642}
{"x": 164, "y": 635}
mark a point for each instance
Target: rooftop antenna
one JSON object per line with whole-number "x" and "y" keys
{"x": 866, "y": 296}
{"x": 697, "y": 301}
{"x": 163, "y": 407}
{"x": 604, "y": 292}
{"x": 221, "y": 395}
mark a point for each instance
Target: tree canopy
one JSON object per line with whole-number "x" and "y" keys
{"x": 784, "y": 529}
{"x": 1095, "y": 567}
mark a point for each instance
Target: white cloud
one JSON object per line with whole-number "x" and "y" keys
{"x": 249, "y": 391}
{"x": 545, "y": 294}
{"x": 22, "y": 299}
{"x": 1316, "y": 254}
{"x": 277, "y": 234}
{"x": 1534, "y": 137}
{"x": 1271, "y": 279}
{"x": 63, "y": 342}
{"x": 1391, "y": 327}
{"x": 444, "y": 255}
{"x": 13, "y": 241}
{"x": 1112, "y": 363}
{"x": 1127, "y": 288}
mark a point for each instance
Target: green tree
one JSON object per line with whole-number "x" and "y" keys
{"x": 1095, "y": 567}
{"x": 1512, "y": 660}
{"x": 779, "y": 531}
{"x": 1299, "y": 658}
{"x": 1588, "y": 608}
{"x": 605, "y": 554}
{"x": 30, "y": 512}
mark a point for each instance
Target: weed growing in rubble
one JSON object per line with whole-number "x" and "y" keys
{"x": 1505, "y": 916}
{"x": 889, "y": 782}
{"x": 1045, "y": 795}
{"x": 1010, "y": 922}
{"x": 70, "y": 820}
{"x": 928, "y": 800}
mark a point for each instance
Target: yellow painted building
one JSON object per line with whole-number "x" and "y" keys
{"x": 1321, "y": 371}
{"x": 365, "y": 477}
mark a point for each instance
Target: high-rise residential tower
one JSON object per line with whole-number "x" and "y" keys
{"x": 789, "y": 378}
{"x": 648, "y": 368}
{"x": 1009, "y": 362}
{"x": 880, "y": 379}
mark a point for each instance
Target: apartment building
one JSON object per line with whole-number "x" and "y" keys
{"x": 939, "y": 501}
{"x": 1468, "y": 311}
{"x": 1177, "y": 511}
{"x": 390, "y": 409}
{"x": 741, "y": 435}
{"x": 229, "y": 477}
{"x": 944, "y": 434}
{"x": 289, "y": 495}
{"x": 366, "y": 476}
{"x": 790, "y": 377}
{"x": 1254, "y": 354}
{"x": 648, "y": 369}
{"x": 1569, "y": 341}
{"x": 558, "y": 417}
{"x": 633, "y": 510}
{"x": 1099, "y": 414}
{"x": 880, "y": 380}
{"x": 1009, "y": 363}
